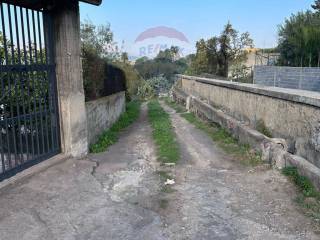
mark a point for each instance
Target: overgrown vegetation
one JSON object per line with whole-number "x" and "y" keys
{"x": 110, "y": 136}
{"x": 299, "y": 39}
{"x": 309, "y": 198}
{"x": 216, "y": 55}
{"x": 132, "y": 78}
{"x": 158, "y": 73}
{"x": 166, "y": 64}
{"x": 153, "y": 87}
{"x": 105, "y": 69}
{"x": 163, "y": 133}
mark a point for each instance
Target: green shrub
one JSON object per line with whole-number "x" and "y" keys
{"x": 302, "y": 182}
{"x": 145, "y": 91}
{"x": 132, "y": 78}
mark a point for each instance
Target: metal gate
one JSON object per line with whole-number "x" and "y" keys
{"x": 29, "y": 129}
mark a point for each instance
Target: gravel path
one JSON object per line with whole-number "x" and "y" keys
{"x": 119, "y": 195}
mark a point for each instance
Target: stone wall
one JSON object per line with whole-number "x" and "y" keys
{"x": 293, "y": 115}
{"x": 102, "y": 113}
{"x": 288, "y": 77}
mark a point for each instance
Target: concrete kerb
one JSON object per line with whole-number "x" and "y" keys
{"x": 273, "y": 150}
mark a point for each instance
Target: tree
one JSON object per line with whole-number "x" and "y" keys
{"x": 212, "y": 55}
{"x": 98, "y": 49}
{"x": 299, "y": 39}
{"x": 165, "y": 56}
{"x": 166, "y": 64}
{"x": 175, "y": 52}
{"x": 232, "y": 45}
{"x": 124, "y": 57}
{"x": 98, "y": 40}
{"x": 215, "y": 55}
{"x": 316, "y": 6}
{"x": 200, "y": 61}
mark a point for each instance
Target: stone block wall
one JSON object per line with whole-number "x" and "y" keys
{"x": 102, "y": 113}
{"x": 293, "y": 115}
{"x": 288, "y": 77}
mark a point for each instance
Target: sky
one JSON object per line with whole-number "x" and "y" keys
{"x": 194, "y": 18}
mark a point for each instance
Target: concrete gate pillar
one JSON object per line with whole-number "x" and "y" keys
{"x": 71, "y": 100}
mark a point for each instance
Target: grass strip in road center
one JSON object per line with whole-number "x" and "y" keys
{"x": 110, "y": 136}
{"x": 163, "y": 133}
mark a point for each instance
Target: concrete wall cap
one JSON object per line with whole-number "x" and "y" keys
{"x": 293, "y": 95}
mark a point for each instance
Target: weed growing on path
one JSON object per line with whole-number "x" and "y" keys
{"x": 110, "y": 136}
{"x": 163, "y": 133}
{"x": 309, "y": 198}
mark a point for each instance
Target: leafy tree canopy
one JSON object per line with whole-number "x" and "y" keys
{"x": 215, "y": 55}
{"x": 299, "y": 39}
{"x": 166, "y": 64}
{"x": 316, "y": 5}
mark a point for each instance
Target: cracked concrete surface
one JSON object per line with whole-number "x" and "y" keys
{"x": 117, "y": 195}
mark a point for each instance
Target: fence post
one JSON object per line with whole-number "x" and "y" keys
{"x": 275, "y": 76}
{"x": 300, "y": 79}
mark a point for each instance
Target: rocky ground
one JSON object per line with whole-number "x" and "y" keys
{"x": 120, "y": 195}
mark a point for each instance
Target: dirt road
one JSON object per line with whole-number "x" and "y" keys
{"x": 119, "y": 195}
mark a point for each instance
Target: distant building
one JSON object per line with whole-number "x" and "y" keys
{"x": 256, "y": 57}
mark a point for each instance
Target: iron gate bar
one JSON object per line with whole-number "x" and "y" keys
{"x": 20, "y": 78}
{"x": 29, "y": 126}
{"x": 36, "y": 60}
{"x": 43, "y": 75}
{"x": 52, "y": 88}
{"x": 12, "y": 59}
{"x": 26, "y": 63}
{"x": 8, "y": 79}
{"x": 32, "y": 79}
